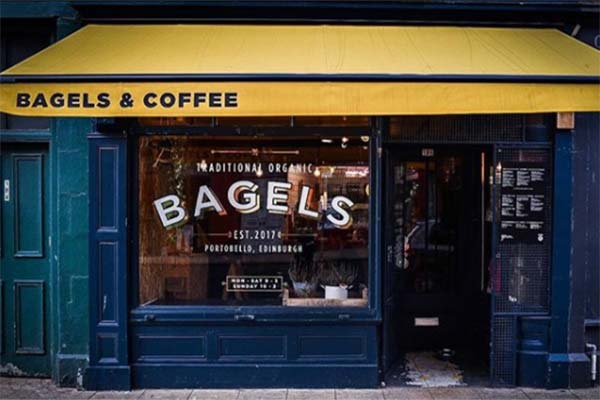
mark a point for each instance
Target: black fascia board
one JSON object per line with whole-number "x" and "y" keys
{"x": 467, "y": 12}
{"x": 284, "y": 77}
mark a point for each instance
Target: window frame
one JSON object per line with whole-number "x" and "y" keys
{"x": 224, "y": 313}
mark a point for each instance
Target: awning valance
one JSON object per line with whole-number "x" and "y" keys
{"x": 270, "y": 70}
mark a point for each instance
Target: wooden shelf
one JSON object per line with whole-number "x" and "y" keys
{"x": 322, "y": 302}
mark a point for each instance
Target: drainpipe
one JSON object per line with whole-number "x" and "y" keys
{"x": 592, "y": 349}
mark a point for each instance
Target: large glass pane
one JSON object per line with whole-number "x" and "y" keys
{"x": 253, "y": 221}
{"x": 427, "y": 197}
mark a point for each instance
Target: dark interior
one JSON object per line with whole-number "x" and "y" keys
{"x": 439, "y": 246}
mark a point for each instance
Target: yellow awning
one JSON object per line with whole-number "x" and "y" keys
{"x": 258, "y": 70}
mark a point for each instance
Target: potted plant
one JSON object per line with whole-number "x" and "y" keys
{"x": 337, "y": 278}
{"x": 304, "y": 278}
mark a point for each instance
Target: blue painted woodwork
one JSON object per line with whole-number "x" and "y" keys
{"x": 29, "y": 312}
{"x": 108, "y": 367}
{"x": 532, "y": 350}
{"x": 28, "y": 198}
{"x": 558, "y": 360}
{"x": 256, "y": 355}
{"x": 585, "y": 241}
{"x": 25, "y": 266}
{"x": 209, "y": 346}
{"x": 567, "y": 363}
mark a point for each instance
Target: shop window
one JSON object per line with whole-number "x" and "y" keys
{"x": 16, "y": 44}
{"x": 253, "y": 221}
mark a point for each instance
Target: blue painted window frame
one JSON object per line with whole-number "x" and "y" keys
{"x": 217, "y": 313}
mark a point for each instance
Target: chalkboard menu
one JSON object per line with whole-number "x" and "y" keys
{"x": 523, "y": 203}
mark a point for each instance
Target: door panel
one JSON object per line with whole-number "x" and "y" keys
{"x": 28, "y": 196}
{"x": 24, "y": 270}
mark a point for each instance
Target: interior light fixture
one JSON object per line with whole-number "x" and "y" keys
{"x": 327, "y": 141}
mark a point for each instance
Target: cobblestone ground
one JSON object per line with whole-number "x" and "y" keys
{"x": 23, "y": 388}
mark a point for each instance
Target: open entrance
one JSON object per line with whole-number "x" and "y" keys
{"x": 438, "y": 231}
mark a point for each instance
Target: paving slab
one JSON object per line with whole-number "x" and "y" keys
{"x": 501, "y": 394}
{"x": 311, "y": 394}
{"x": 167, "y": 394}
{"x": 544, "y": 394}
{"x": 121, "y": 394}
{"x": 359, "y": 394}
{"x": 20, "y": 388}
{"x": 262, "y": 394}
{"x": 6, "y": 393}
{"x": 22, "y": 394}
{"x": 43, "y": 392}
{"x": 214, "y": 394}
{"x": 587, "y": 394}
{"x": 9, "y": 381}
{"x": 462, "y": 393}
{"x": 407, "y": 393}
{"x": 71, "y": 393}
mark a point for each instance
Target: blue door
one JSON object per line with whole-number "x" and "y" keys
{"x": 24, "y": 271}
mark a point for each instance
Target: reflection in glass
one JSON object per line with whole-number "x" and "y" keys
{"x": 427, "y": 195}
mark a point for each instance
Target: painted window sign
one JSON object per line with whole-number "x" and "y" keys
{"x": 523, "y": 203}
{"x": 254, "y": 283}
{"x": 243, "y": 196}
{"x": 261, "y": 221}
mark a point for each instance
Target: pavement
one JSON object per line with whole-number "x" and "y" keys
{"x": 26, "y": 388}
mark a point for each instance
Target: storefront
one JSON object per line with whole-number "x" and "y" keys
{"x": 299, "y": 206}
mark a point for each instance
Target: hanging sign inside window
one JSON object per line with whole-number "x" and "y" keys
{"x": 523, "y": 206}
{"x": 248, "y": 283}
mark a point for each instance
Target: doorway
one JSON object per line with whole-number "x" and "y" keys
{"x": 438, "y": 244}
{"x": 25, "y": 271}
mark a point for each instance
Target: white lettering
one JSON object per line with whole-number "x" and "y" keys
{"x": 211, "y": 204}
{"x": 345, "y": 219}
{"x": 243, "y": 196}
{"x": 305, "y": 196}
{"x": 246, "y": 190}
{"x": 277, "y": 197}
{"x": 169, "y": 211}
